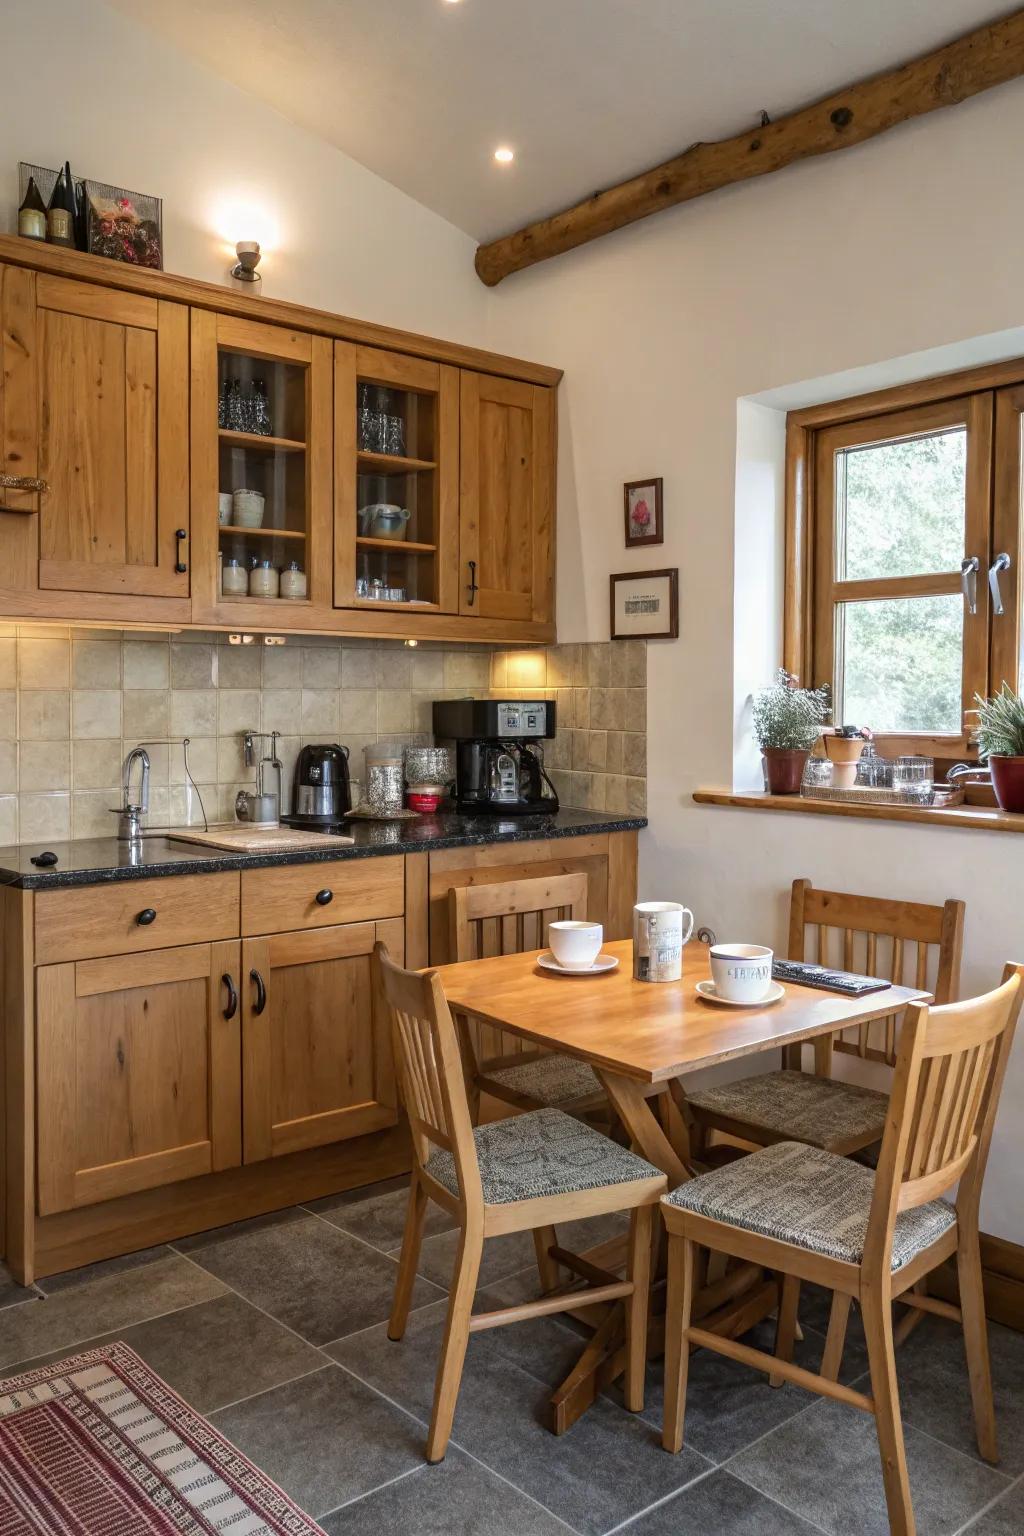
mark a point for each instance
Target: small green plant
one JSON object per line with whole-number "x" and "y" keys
{"x": 789, "y": 717}
{"x": 1001, "y": 724}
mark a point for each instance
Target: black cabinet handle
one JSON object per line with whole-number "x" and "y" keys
{"x": 474, "y": 585}
{"x": 261, "y": 992}
{"x": 324, "y": 898}
{"x": 146, "y": 916}
{"x": 180, "y": 534}
{"x": 232, "y": 1007}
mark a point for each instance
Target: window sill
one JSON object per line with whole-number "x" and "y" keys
{"x": 989, "y": 820}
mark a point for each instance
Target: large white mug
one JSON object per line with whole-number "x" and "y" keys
{"x": 742, "y": 973}
{"x": 660, "y": 929}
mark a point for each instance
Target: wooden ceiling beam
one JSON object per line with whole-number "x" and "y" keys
{"x": 989, "y": 56}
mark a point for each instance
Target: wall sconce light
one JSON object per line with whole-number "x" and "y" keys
{"x": 248, "y": 253}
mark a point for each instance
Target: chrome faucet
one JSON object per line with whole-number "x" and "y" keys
{"x": 129, "y": 828}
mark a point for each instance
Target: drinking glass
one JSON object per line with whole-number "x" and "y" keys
{"x": 915, "y": 776}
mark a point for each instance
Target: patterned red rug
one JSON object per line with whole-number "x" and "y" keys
{"x": 99, "y": 1446}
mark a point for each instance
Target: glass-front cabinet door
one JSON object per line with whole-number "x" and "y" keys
{"x": 261, "y": 473}
{"x": 396, "y": 438}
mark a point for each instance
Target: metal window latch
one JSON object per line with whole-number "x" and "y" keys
{"x": 969, "y": 568}
{"x": 1000, "y": 563}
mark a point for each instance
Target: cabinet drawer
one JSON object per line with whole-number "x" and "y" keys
{"x": 278, "y": 900}
{"x": 78, "y": 924}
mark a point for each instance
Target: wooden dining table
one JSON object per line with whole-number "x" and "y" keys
{"x": 637, "y": 1035}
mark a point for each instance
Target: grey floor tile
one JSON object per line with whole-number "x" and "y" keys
{"x": 315, "y": 1278}
{"x": 723, "y": 1505}
{"x": 324, "y": 1439}
{"x": 458, "y": 1497}
{"x": 377, "y": 1214}
{"x": 11, "y": 1293}
{"x": 728, "y": 1406}
{"x": 502, "y": 1256}
{"x": 543, "y": 1345}
{"x": 936, "y": 1396}
{"x": 54, "y": 1284}
{"x": 200, "y": 1240}
{"x": 213, "y": 1353}
{"x": 59, "y": 1323}
{"x": 824, "y": 1464}
{"x": 1005, "y": 1518}
{"x": 609, "y": 1467}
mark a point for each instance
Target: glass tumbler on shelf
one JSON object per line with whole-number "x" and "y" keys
{"x": 915, "y": 776}
{"x": 817, "y": 774}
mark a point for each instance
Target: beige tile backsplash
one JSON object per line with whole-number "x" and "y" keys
{"x": 73, "y": 702}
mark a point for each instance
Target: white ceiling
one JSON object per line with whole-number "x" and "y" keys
{"x": 587, "y": 92}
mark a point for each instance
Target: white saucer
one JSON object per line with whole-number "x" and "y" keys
{"x": 603, "y": 963}
{"x": 706, "y": 990}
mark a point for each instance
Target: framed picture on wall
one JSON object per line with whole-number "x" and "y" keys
{"x": 643, "y": 512}
{"x": 645, "y": 604}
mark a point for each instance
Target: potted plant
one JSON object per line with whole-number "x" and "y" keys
{"x": 843, "y": 748}
{"x": 787, "y": 722}
{"x": 1001, "y": 742}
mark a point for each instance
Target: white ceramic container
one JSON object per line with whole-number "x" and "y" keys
{"x": 575, "y": 945}
{"x": 247, "y": 509}
{"x": 660, "y": 929}
{"x": 742, "y": 973}
{"x": 224, "y": 507}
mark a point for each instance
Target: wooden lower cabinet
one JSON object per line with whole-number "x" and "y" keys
{"x": 317, "y": 1065}
{"x": 137, "y": 1072}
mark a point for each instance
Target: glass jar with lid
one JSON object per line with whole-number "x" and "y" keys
{"x": 293, "y": 581}
{"x": 264, "y": 580}
{"x": 234, "y": 580}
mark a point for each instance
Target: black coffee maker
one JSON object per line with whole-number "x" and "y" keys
{"x": 499, "y": 757}
{"x": 322, "y": 792}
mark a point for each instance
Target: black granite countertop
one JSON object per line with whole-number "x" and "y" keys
{"x": 94, "y": 861}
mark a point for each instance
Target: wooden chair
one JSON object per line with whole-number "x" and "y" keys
{"x": 811, "y": 1215}
{"x": 525, "y": 1173}
{"x": 504, "y": 919}
{"x": 812, "y": 1107}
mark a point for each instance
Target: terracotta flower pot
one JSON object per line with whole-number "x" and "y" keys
{"x": 1008, "y": 782}
{"x": 784, "y": 767}
{"x": 843, "y": 753}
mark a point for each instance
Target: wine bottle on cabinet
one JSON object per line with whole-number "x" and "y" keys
{"x": 60, "y": 215}
{"x": 32, "y": 213}
{"x": 77, "y": 205}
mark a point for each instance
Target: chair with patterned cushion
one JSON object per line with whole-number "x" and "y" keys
{"x": 811, "y": 1215}
{"x": 526, "y": 1173}
{"x": 813, "y": 1107}
{"x": 504, "y": 919}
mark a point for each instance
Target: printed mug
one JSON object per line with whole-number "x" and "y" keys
{"x": 659, "y": 933}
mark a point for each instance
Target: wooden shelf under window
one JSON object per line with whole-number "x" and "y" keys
{"x": 978, "y": 816}
{"x": 397, "y": 546}
{"x": 257, "y": 440}
{"x": 391, "y": 464}
{"x": 263, "y": 533}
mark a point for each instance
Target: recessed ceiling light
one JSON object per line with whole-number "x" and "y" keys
{"x": 504, "y": 155}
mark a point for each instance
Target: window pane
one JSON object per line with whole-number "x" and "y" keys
{"x": 900, "y": 507}
{"x": 901, "y": 664}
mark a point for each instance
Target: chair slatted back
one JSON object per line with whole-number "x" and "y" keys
{"x": 430, "y": 1069}
{"x": 508, "y": 918}
{"x": 949, "y": 1075}
{"x": 908, "y": 943}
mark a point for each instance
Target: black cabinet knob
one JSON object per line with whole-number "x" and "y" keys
{"x": 146, "y": 916}
{"x": 324, "y": 898}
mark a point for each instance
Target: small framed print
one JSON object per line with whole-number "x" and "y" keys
{"x": 645, "y": 604}
{"x": 643, "y": 511}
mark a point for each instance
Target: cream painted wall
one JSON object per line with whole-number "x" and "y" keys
{"x": 82, "y": 81}
{"x": 665, "y": 331}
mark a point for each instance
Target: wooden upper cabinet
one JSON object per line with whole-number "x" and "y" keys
{"x": 96, "y": 407}
{"x": 137, "y": 1072}
{"x": 317, "y": 1064}
{"x": 261, "y": 421}
{"x": 396, "y": 445}
{"x": 507, "y": 499}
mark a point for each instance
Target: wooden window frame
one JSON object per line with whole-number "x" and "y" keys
{"x": 990, "y": 402}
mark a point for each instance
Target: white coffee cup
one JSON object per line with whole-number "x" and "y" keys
{"x": 742, "y": 973}
{"x": 224, "y": 506}
{"x": 575, "y": 945}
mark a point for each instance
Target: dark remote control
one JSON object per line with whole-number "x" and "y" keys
{"x": 804, "y": 974}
